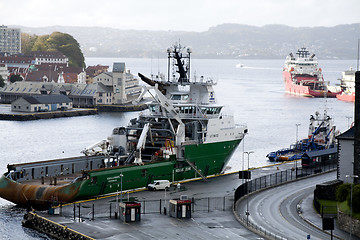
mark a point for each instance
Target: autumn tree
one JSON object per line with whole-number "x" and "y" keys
{"x": 27, "y": 42}
{"x": 57, "y": 41}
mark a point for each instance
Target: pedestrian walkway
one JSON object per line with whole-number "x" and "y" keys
{"x": 309, "y": 214}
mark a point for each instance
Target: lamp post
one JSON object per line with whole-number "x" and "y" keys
{"x": 121, "y": 181}
{"x": 351, "y": 187}
{"x": 247, "y": 188}
{"x": 297, "y": 128}
{"x": 243, "y": 159}
{"x": 348, "y": 118}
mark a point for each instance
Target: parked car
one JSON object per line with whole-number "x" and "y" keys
{"x": 159, "y": 185}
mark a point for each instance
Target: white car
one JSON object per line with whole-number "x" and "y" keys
{"x": 159, "y": 185}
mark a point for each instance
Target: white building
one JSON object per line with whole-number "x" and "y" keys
{"x": 42, "y": 103}
{"x": 125, "y": 87}
{"x": 10, "y": 40}
{"x": 53, "y": 57}
{"x": 4, "y": 73}
{"x": 346, "y": 155}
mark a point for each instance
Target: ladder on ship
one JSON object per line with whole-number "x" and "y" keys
{"x": 195, "y": 169}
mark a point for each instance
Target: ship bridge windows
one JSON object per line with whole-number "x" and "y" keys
{"x": 154, "y": 108}
{"x": 187, "y": 109}
{"x": 179, "y": 97}
{"x": 211, "y": 110}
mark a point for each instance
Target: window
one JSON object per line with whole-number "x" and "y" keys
{"x": 176, "y": 97}
{"x": 185, "y": 97}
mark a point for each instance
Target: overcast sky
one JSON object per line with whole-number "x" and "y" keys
{"x": 187, "y": 15}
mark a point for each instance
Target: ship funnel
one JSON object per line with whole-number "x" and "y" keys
{"x": 356, "y": 165}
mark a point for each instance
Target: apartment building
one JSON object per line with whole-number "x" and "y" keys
{"x": 10, "y": 40}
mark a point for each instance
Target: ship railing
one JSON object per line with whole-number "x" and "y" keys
{"x": 192, "y": 142}
{"x": 196, "y": 79}
{"x": 186, "y": 115}
{"x": 240, "y": 126}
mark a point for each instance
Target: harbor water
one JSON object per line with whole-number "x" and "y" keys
{"x": 253, "y": 93}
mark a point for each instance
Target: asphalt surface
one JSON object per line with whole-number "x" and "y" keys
{"x": 277, "y": 210}
{"x": 212, "y": 224}
{"x": 274, "y": 209}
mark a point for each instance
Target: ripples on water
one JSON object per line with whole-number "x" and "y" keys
{"x": 254, "y": 94}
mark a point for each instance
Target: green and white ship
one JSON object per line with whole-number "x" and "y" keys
{"x": 183, "y": 135}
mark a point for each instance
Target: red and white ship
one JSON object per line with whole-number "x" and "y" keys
{"x": 303, "y": 77}
{"x": 347, "y": 84}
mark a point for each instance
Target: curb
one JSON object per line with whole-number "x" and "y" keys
{"x": 239, "y": 219}
{"x": 312, "y": 224}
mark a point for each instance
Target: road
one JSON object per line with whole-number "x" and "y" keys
{"x": 276, "y": 209}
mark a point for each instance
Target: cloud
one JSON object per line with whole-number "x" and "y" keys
{"x": 188, "y": 15}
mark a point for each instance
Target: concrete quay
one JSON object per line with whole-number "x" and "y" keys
{"x": 7, "y": 114}
{"x": 211, "y": 218}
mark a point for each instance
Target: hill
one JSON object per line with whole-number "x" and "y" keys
{"x": 222, "y": 41}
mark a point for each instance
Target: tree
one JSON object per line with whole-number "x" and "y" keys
{"x": 342, "y": 192}
{"x": 355, "y": 199}
{"x": 40, "y": 44}
{"x": 63, "y": 43}
{"x": 27, "y": 42}
{"x": 2, "y": 82}
{"x": 15, "y": 78}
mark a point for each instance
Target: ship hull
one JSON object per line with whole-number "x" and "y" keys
{"x": 305, "y": 91}
{"x": 346, "y": 97}
{"x": 209, "y": 159}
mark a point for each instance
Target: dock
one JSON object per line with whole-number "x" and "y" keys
{"x": 7, "y": 114}
{"x": 211, "y": 214}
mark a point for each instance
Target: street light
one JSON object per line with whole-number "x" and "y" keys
{"x": 348, "y": 118}
{"x": 297, "y": 128}
{"x": 351, "y": 187}
{"x": 247, "y": 189}
{"x": 121, "y": 177}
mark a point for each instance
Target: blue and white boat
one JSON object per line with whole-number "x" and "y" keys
{"x": 321, "y": 136}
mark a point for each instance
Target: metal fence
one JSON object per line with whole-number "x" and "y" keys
{"x": 280, "y": 177}
{"x": 108, "y": 208}
{"x": 274, "y": 180}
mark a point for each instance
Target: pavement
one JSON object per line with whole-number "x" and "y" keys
{"x": 309, "y": 214}
{"x": 213, "y": 224}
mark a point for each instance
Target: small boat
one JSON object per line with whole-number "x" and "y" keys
{"x": 321, "y": 136}
{"x": 303, "y": 76}
{"x": 347, "y": 84}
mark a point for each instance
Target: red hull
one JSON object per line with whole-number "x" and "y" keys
{"x": 306, "y": 91}
{"x": 346, "y": 97}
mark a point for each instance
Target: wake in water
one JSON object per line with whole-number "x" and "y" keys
{"x": 256, "y": 68}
